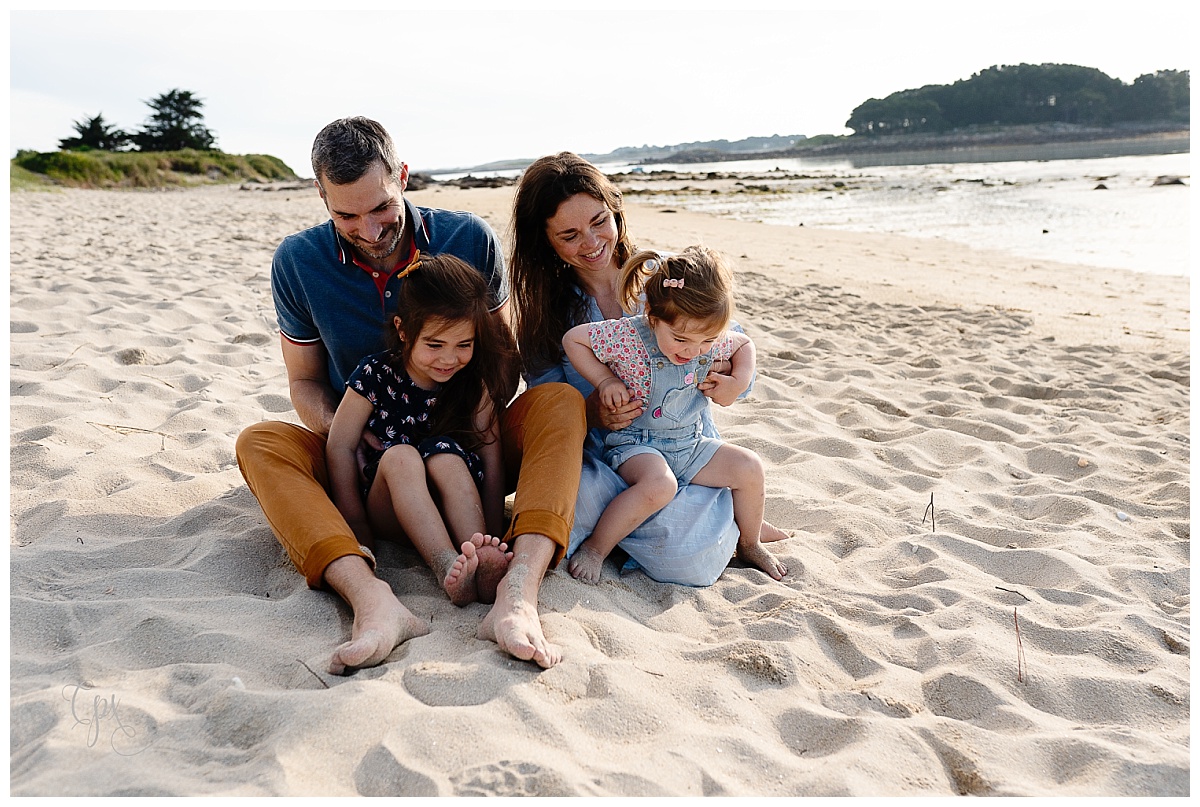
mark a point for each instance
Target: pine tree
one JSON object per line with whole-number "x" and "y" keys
{"x": 175, "y": 124}
{"x": 94, "y": 133}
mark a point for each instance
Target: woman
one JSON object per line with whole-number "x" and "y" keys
{"x": 568, "y": 244}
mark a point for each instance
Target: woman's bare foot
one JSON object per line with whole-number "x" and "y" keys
{"x": 459, "y": 582}
{"x": 585, "y": 564}
{"x": 771, "y": 533}
{"x": 381, "y": 624}
{"x": 513, "y": 622}
{"x": 758, "y": 555}
{"x": 493, "y": 565}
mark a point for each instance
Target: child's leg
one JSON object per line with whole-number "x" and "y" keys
{"x": 483, "y": 559}
{"x": 400, "y": 496}
{"x": 741, "y": 470}
{"x": 652, "y": 485}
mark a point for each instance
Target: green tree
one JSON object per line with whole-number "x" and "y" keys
{"x": 94, "y": 133}
{"x": 1024, "y": 94}
{"x": 175, "y": 124}
{"x": 1165, "y": 95}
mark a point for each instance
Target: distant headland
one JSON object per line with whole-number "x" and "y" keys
{"x": 1004, "y": 107}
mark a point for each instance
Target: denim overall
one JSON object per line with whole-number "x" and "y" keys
{"x": 671, "y": 423}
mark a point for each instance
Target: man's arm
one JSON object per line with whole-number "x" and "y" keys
{"x": 308, "y": 384}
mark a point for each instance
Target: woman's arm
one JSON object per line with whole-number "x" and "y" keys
{"x": 491, "y": 454}
{"x": 340, "y": 456}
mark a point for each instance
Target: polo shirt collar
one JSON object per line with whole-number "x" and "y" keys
{"x": 420, "y": 237}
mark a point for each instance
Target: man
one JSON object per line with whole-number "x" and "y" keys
{"x": 332, "y": 285}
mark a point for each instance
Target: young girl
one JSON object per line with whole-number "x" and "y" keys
{"x": 661, "y": 357}
{"x": 433, "y": 401}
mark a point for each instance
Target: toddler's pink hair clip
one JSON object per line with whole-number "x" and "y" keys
{"x": 673, "y": 283}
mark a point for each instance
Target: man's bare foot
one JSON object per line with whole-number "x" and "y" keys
{"x": 771, "y": 533}
{"x": 493, "y": 565}
{"x": 585, "y": 564}
{"x": 381, "y": 624}
{"x": 459, "y": 582}
{"x": 757, "y": 555}
{"x": 513, "y": 622}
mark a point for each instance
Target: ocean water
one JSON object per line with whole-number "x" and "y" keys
{"x": 1037, "y": 209}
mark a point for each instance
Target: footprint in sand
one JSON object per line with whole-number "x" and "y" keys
{"x": 380, "y": 773}
{"x": 509, "y": 778}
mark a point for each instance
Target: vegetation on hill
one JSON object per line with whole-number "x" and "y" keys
{"x": 159, "y": 169}
{"x": 174, "y": 147}
{"x": 1013, "y": 95}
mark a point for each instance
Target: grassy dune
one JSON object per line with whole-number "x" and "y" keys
{"x": 106, "y": 169}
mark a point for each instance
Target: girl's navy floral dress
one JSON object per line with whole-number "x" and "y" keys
{"x": 401, "y": 415}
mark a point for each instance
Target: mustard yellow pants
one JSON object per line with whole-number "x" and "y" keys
{"x": 542, "y": 433}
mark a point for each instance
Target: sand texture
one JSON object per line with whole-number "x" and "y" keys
{"x": 162, "y": 643}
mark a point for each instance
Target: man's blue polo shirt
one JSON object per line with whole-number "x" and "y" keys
{"x": 323, "y": 296}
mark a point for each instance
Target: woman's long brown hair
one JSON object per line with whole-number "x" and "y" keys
{"x": 546, "y": 299}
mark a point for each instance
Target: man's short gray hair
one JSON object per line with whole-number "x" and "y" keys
{"x": 344, "y": 150}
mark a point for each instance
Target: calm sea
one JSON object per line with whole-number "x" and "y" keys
{"x": 1049, "y": 209}
{"x": 1038, "y": 209}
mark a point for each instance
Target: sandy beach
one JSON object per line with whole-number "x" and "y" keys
{"x": 1027, "y": 635}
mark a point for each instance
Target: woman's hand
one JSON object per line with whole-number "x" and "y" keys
{"x": 612, "y": 418}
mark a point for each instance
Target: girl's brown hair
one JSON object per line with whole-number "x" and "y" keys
{"x": 546, "y": 298}
{"x": 443, "y": 290}
{"x": 695, "y": 285}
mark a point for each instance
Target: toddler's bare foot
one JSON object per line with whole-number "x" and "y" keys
{"x": 460, "y": 583}
{"x": 758, "y": 555}
{"x": 493, "y": 564}
{"x": 585, "y": 564}
{"x": 771, "y": 533}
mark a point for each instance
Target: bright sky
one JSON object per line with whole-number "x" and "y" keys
{"x": 458, "y": 87}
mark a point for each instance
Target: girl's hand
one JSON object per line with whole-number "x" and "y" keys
{"x": 612, "y": 418}
{"x": 721, "y": 389}
{"x": 613, "y": 393}
{"x": 368, "y": 439}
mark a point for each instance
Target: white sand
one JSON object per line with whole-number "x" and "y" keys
{"x": 1035, "y": 403}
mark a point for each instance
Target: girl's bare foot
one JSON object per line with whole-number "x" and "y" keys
{"x": 493, "y": 564}
{"x": 460, "y": 583}
{"x": 585, "y": 564}
{"x": 758, "y": 555}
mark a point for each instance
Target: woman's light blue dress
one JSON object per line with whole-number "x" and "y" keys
{"x": 690, "y": 541}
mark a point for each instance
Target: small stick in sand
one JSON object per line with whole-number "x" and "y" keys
{"x": 1013, "y": 591}
{"x": 930, "y": 514}
{"x": 310, "y": 669}
{"x": 1020, "y": 651}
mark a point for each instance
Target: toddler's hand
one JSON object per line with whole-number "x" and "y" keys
{"x": 721, "y": 389}
{"x": 613, "y": 393}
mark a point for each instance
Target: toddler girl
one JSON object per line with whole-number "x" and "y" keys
{"x": 432, "y": 402}
{"x": 661, "y": 357}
